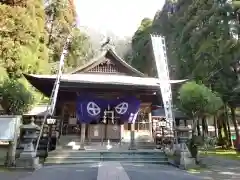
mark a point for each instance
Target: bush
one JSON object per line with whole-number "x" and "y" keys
{"x": 16, "y": 97}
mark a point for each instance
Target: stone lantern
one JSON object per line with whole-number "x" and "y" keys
{"x": 28, "y": 158}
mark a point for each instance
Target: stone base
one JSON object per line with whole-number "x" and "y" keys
{"x": 180, "y": 156}
{"x": 81, "y": 148}
{"x": 186, "y": 161}
{"x": 132, "y": 147}
{"x": 27, "y": 161}
{"x": 189, "y": 163}
{"x": 28, "y": 154}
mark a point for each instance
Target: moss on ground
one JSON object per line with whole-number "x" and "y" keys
{"x": 228, "y": 154}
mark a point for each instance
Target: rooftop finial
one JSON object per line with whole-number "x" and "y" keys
{"x": 106, "y": 42}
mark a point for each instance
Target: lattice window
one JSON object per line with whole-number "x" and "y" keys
{"x": 105, "y": 67}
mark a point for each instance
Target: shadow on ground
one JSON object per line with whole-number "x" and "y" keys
{"x": 218, "y": 173}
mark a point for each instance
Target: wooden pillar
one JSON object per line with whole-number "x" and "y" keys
{"x": 89, "y": 138}
{"x": 58, "y": 140}
{"x": 132, "y": 145}
{"x": 121, "y": 133}
{"x": 82, "y": 138}
{"x": 61, "y": 123}
{"x": 150, "y": 124}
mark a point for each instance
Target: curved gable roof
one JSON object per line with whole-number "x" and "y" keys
{"x": 101, "y": 58}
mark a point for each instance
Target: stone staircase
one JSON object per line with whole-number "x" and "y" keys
{"x": 124, "y": 156}
{"x": 67, "y": 153}
{"x": 141, "y": 141}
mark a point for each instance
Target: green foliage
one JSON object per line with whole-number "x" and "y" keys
{"x": 62, "y": 16}
{"x": 198, "y": 100}
{"x": 60, "y": 25}
{"x": 203, "y": 44}
{"x": 30, "y": 43}
{"x": 202, "y": 39}
{"x": 201, "y": 29}
{"x": 22, "y": 50}
{"x": 141, "y": 48}
{"x": 16, "y": 98}
{"x": 22, "y": 47}
{"x": 80, "y": 50}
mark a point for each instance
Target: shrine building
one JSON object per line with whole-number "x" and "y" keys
{"x": 104, "y": 99}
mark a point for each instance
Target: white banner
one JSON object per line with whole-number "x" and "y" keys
{"x": 9, "y": 127}
{"x": 160, "y": 56}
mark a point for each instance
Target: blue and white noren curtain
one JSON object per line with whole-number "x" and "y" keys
{"x": 90, "y": 108}
{"x": 127, "y": 108}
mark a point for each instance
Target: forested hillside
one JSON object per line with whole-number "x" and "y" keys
{"x": 121, "y": 45}
{"x": 32, "y": 33}
{"x": 203, "y": 45}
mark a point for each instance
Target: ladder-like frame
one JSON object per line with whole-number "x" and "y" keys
{"x": 53, "y": 98}
{"x": 160, "y": 57}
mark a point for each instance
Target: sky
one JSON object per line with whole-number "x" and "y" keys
{"x": 121, "y": 17}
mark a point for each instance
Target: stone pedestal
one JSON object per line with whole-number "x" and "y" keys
{"x": 28, "y": 162}
{"x": 28, "y": 158}
{"x": 186, "y": 161}
{"x": 132, "y": 145}
{"x": 82, "y": 138}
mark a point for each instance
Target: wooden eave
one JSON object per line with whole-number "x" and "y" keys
{"x": 45, "y": 86}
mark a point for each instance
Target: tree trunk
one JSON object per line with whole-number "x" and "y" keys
{"x": 220, "y": 134}
{"x": 204, "y": 126}
{"x": 224, "y": 131}
{"x": 226, "y": 119}
{"x": 226, "y": 136}
{"x": 215, "y": 126}
{"x": 198, "y": 128}
{"x": 235, "y": 124}
{"x": 194, "y": 125}
{"x": 229, "y": 134}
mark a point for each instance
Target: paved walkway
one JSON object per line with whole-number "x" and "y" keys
{"x": 220, "y": 169}
{"x": 107, "y": 171}
{"x": 13, "y": 175}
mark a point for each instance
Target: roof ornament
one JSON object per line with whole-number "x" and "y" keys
{"x": 107, "y": 44}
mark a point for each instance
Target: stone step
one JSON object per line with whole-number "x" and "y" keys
{"x": 144, "y": 146}
{"x": 131, "y": 156}
{"x": 108, "y": 156}
{"x": 113, "y": 150}
{"x": 105, "y": 158}
{"x": 49, "y": 163}
{"x": 77, "y": 153}
{"x": 97, "y": 162}
{"x": 80, "y": 160}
